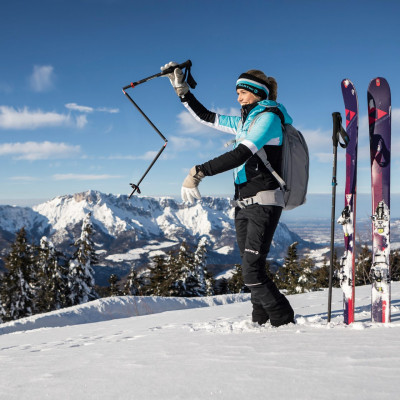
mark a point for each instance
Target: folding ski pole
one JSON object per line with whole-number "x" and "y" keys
{"x": 338, "y": 132}
{"x": 191, "y": 82}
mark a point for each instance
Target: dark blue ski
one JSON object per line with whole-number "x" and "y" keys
{"x": 348, "y": 217}
{"x": 379, "y": 112}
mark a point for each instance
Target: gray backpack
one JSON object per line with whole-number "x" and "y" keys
{"x": 295, "y": 164}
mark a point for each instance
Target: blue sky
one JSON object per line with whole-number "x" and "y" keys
{"x": 66, "y": 127}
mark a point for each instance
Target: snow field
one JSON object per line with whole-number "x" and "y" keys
{"x": 201, "y": 349}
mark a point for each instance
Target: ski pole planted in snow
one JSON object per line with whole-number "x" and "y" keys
{"x": 338, "y": 132}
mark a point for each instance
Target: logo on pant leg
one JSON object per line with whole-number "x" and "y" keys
{"x": 252, "y": 251}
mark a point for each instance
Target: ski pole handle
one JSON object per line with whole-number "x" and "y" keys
{"x": 339, "y": 132}
{"x": 337, "y": 123}
{"x": 186, "y": 64}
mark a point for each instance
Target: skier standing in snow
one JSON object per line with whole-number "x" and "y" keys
{"x": 258, "y": 204}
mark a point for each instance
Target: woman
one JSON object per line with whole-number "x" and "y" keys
{"x": 258, "y": 208}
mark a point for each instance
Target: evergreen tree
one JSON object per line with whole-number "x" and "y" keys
{"x": 159, "y": 282}
{"x": 395, "y": 265}
{"x": 3, "y": 300}
{"x": 363, "y": 266}
{"x": 307, "y": 279}
{"x": 235, "y": 283}
{"x": 81, "y": 281}
{"x": 289, "y": 274}
{"x": 210, "y": 284}
{"x": 135, "y": 285}
{"x": 183, "y": 281}
{"x": 18, "y": 293}
{"x": 204, "y": 278}
{"x": 321, "y": 275}
{"x": 336, "y": 271}
{"x": 114, "y": 289}
{"x": 222, "y": 286}
{"x": 52, "y": 287}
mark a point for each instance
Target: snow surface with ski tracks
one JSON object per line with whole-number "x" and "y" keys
{"x": 201, "y": 348}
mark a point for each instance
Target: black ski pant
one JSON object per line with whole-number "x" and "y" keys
{"x": 255, "y": 228}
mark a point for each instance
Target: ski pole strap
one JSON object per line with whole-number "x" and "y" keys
{"x": 189, "y": 77}
{"x": 339, "y": 132}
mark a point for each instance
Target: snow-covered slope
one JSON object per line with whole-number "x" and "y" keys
{"x": 140, "y": 348}
{"x": 132, "y": 230}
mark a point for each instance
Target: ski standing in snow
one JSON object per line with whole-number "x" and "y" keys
{"x": 379, "y": 112}
{"x": 348, "y": 216}
{"x": 259, "y": 199}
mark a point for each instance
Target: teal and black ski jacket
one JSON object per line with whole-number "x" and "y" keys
{"x": 250, "y": 174}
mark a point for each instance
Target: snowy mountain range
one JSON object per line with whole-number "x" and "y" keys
{"x": 130, "y": 231}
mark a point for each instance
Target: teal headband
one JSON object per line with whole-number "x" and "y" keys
{"x": 253, "y": 84}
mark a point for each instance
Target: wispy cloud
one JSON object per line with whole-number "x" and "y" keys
{"x": 39, "y": 150}
{"x": 190, "y": 126}
{"x": 149, "y": 155}
{"x": 87, "y": 109}
{"x": 11, "y": 118}
{"x": 42, "y": 78}
{"x": 84, "y": 177}
{"x": 76, "y": 107}
{"x": 317, "y": 139}
{"x": 81, "y": 121}
{"x": 108, "y": 110}
{"x": 24, "y": 178}
{"x": 184, "y": 143}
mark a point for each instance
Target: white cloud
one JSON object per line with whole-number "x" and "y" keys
{"x": 87, "y": 109}
{"x": 231, "y": 111}
{"x": 108, "y": 110}
{"x": 81, "y": 121}
{"x": 184, "y": 143}
{"x": 84, "y": 177}
{"x": 317, "y": 139}
{"x": 42, "y": 78}
{"x": 76, "y": 107}
{"x": 24, "y": 178}
{"x": 189, "y": 125}
{"x": 11, "y": 118}
{"x": 39, "y": 151}
{"x": 327, "y": 158}
{"x": 149, "y": 155}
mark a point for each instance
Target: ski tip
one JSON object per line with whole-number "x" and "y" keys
{"x": 346, "y": 82}
{"x": 378, "y": 81}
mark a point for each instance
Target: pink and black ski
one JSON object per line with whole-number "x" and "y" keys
{"x": 379, "y": 111}
{"x": 348, "y": 216}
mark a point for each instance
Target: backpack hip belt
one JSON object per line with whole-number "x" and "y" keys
{"x": 264, "y": 198}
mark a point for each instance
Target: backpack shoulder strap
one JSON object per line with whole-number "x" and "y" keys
{"x": 276, "y": 111}
{"x": 263, "y": 155}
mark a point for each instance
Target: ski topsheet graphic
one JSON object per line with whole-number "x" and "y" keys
{"x": 379, "y": 112}
{"x": 348, "y": 216}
